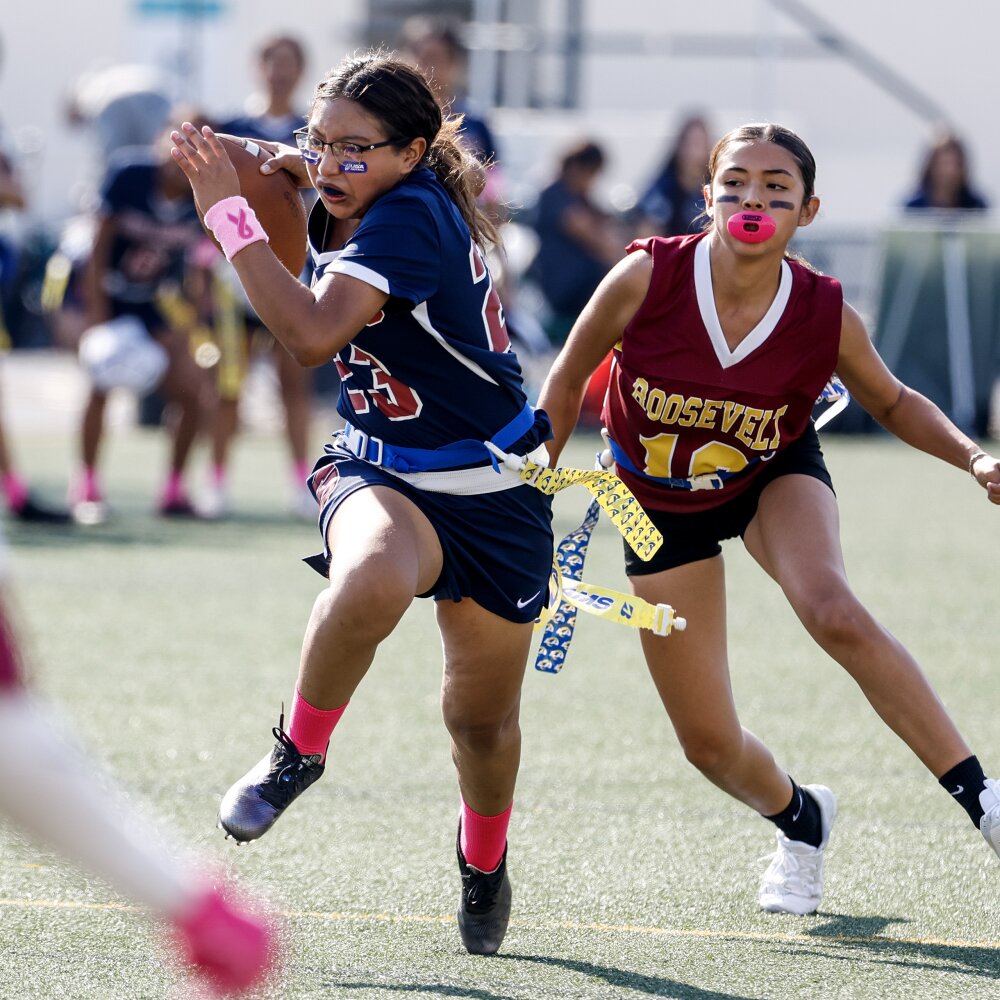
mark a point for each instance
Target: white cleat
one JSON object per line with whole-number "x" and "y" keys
{"x": 989, "y": 825}
{"x": 90, "y": 512}
{"x": 213, "y": 504}
{"x": 793, "y": 882}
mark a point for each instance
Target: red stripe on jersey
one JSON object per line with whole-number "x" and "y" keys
{"x": 493, "y": 320}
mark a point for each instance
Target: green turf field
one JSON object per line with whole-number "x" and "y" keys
{"x": 171, "y": 646}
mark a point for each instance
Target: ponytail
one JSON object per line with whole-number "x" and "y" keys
{"x": 463, "y": 177}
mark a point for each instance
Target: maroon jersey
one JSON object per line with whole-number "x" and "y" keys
{"x": 681, "y": 404}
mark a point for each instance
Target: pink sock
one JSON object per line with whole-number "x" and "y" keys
{"x": 302, "y": 470}
{"x": 484, "y": 838}
{"x": 310, "y": 728}
{"x": 88, "y": 489}
{"x": 218, "y": 475}
{"x": 14, "y": 490}
{"x": 174, "y": 490}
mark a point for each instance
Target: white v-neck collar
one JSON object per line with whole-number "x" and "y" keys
{"x": 710, "y": 317}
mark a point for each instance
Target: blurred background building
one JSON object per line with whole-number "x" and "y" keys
{"x": 861, "y": 82}
{"x": 865, "y": 85}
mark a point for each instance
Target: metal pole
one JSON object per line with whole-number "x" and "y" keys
{"x": 483, "y": 56}
{"x": 959, "y": 331}
{"x": 573, "y": 53}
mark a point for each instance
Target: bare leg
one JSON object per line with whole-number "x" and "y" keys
{"x": 484, "y": 660}
{"x": 6, "y": 463}
{"x": 92, "y": 427}
{"x": 795, "y": 537}
{"x": 691, "y": 673}
{"x": 484, "y": 665}
{"x": 182, "y": 386}
{"x": 224, "y": 430}
{"x": 384, "y": 553}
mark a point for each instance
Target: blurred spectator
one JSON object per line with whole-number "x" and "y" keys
{"x": 578, "y": 242}
{"x": 121, "y": 106}
{"x": 20, "y": 501}
{"x": 124, "y": 105}
{"x": 270, "y": 114}
{"x": 146, "y": 225}
{"x": 12, "y": 203}
{"x": 944, "y": 183}
{"x": 440, "y": 54}
{"x": 676, "y": 198}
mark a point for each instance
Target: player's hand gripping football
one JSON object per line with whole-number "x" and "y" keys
{"x": 206, "y": 165}
{"x": 285, "y": 158}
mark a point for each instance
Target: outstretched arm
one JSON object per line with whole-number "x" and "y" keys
{"x": 598, "y": 329}
{"x": 913, "y": 418}
{"x": 312, "y": 324}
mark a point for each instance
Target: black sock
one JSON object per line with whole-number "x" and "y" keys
{"x": 800, "y": 820}
{"x": 964, "y": 782}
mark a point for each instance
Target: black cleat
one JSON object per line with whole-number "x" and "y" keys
{"x": 484, "y": 909}
{"x": 34, "y": 511}
{"x": 179, "y": 508}
{"x": 250, "y": 808}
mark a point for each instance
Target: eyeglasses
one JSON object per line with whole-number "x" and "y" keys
{"x": 312, "y": 148}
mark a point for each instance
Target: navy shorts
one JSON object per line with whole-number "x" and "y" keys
{"x": 688, "y": 538}
{"x": 497, "y": 547}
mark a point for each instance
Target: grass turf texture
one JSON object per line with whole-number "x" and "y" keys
{"x": 171, "y": 645}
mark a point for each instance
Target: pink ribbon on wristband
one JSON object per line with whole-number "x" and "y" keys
{"x": 234, "y": 224}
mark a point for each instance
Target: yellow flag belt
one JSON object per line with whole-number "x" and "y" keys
{"x": 568, "y": 594}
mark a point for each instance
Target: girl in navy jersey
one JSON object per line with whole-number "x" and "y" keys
{"x": 722, "y": 343}
{"x": 411, "y": 502}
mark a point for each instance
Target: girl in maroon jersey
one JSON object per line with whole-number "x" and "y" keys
{"x": 722, "y": 342}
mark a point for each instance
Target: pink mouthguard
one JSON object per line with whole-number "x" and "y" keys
{"x": 751, "y": 227}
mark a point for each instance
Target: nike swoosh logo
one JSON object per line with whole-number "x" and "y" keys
{"x": 798, "y": 812}
{"x": 959, "y": 790}
{"x": 524, "y": 604}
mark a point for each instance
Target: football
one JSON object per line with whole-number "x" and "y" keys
{"x": 274, "y": 198}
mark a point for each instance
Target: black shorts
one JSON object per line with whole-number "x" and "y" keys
{"x": 687, "y": 538}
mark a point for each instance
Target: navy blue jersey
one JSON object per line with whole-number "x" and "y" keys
{"x": 435, "y": 365}
{"x": 152, "y": 233}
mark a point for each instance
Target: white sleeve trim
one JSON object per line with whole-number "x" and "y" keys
{"x": 359, "y": 271}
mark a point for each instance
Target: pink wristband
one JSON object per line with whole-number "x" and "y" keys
{"x": 234, "y": 225}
